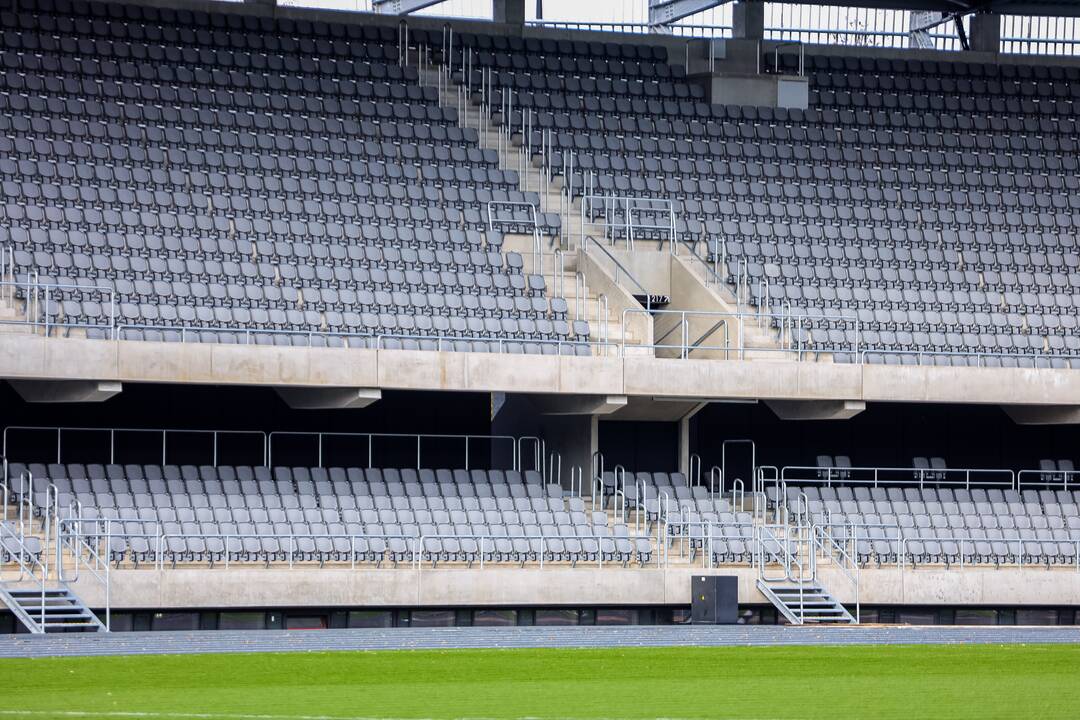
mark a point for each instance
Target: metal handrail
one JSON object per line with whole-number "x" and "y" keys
{"x": 27, "y": 564}
{"x": 1039, "y": 359}
{"x": 685, "y": 346}
{"x": 1067, "y": 477}
{"x": 612, "y": 204}
{"x": 802, "y": 55}
{"x": 40, "y": 315}
{"x": 78, "y": 544}
{"x": 921, "y": 476}
{"x": 113, "y": 431}
{"x": 503, "y": 344}
{"x": 620, "y": 269}
{"x": 515, "y": 444}
{"x": 843, "y": 555}
{"x": 416, "y": 553}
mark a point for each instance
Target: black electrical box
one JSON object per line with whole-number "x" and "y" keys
{"x": 715, "y": 600}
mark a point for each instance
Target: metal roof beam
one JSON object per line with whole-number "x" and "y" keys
{"x": 666, "y": 12}
{"x": 401, "y": 7}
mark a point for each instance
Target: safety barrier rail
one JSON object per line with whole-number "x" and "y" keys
{"x": 31, "y": 569}
{"x": 1037, "y": 359}
{"x": 380, "y": 341}
{"x": 515, "y": 444}
{"x": 1063, "y": 479}
{"x": 898, "y": 476}
{"x": 615, "y": 215}
{"x": 293, "y": 548}
{"x": 1017, "y": 548}
{"x": 619, "y": 270}
{"x": 165, "y": 433}
{"x": 40, "y": 298}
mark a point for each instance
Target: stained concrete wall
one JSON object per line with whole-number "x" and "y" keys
{"x": 261, "y": 587}
{"x": 30, "y": 356}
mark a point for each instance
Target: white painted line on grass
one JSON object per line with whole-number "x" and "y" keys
{"x": 257, "y": 716}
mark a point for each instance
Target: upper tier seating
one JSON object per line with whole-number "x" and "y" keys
{"x": 936, "y": 202}
{"x": 265, "y": 178}
{"x": 201, "y": 513}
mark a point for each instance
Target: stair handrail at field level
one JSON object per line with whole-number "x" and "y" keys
{"x": 30, "y": 567}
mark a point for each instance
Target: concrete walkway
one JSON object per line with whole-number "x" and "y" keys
{"x": 152, "y": 643}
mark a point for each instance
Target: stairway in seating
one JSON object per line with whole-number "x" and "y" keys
{"x": 804, "y": 602}
{"x": 57, "y": 609}
{"x": 28, "y": 587}
{"x": 787, "y": 564}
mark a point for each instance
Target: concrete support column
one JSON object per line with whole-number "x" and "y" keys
{"x": 510, "y": 12}
{"x": 985, "y": 33}
{"x": 684, "y": 438}
{"x": 575, "y": 437}
{"x": 748, "y": 20}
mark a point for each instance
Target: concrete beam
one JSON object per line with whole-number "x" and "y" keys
{"x": 1043, "y": 414}
{"x": 578, "y": 404}
{"x": 509, "y": 12}
{"x": 66, "y": 391}
{"x": 816, "y": 409}
{"x": 556, "y": 584}
{"x": 306, "y": 398}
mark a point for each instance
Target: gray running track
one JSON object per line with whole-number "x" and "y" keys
{"x": 152, "y": 643}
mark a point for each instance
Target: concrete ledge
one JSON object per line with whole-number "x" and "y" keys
{"x": 560, "y": 585}
{"x": 32, "y": 357}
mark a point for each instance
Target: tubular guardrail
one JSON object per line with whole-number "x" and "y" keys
{"x": 618, "y": 215}
{"x": 380, "y": 340}
{"x": 537, "y": 242}
{"x": 112, "y": 432}
{"x": 31, "y": 569}
{"x": 1048, "y": 478}
{"x": 228, "y": 547}
{"x": 877, "y": 476}
{"x": 39, "y": 299}
{"x": 516, "y": 444}
{"x": 620, "y": 269}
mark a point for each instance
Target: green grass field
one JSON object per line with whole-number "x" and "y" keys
{"x": 977, "y": 681}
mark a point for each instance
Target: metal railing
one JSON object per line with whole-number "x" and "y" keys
{"x": 373, "y": 341}
{"x": 515, "y": 444}
{"x": 31, "y": 568}
{"x": 620, "y": 270}
{"x": 165, "y": 433}
{"x": 40, "y": 302}
{"x": 843, "y": 555}
{"x": 615, "y": 215}
{"x": 900, "y": 476}
{"x": 784, "y": 333}
{"x": 801, "y": 70}
{"x": 1063, "y": 479}
{"x": 1035, "y": 359}
{"x": 901, "y": 539}
{"x": 7, "y": 274}
{"x": 494, "y": 221}
{"x": 96, "y": 537}
{"x": 87, "y": 555}
{"x": 1040, "y": 35}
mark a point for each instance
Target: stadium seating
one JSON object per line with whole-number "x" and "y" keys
{"x": 949, "y": 525}
{"x": 236, "y": 179}
{"x": 928, "y": 208}
{"x": 193, "y": 513}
